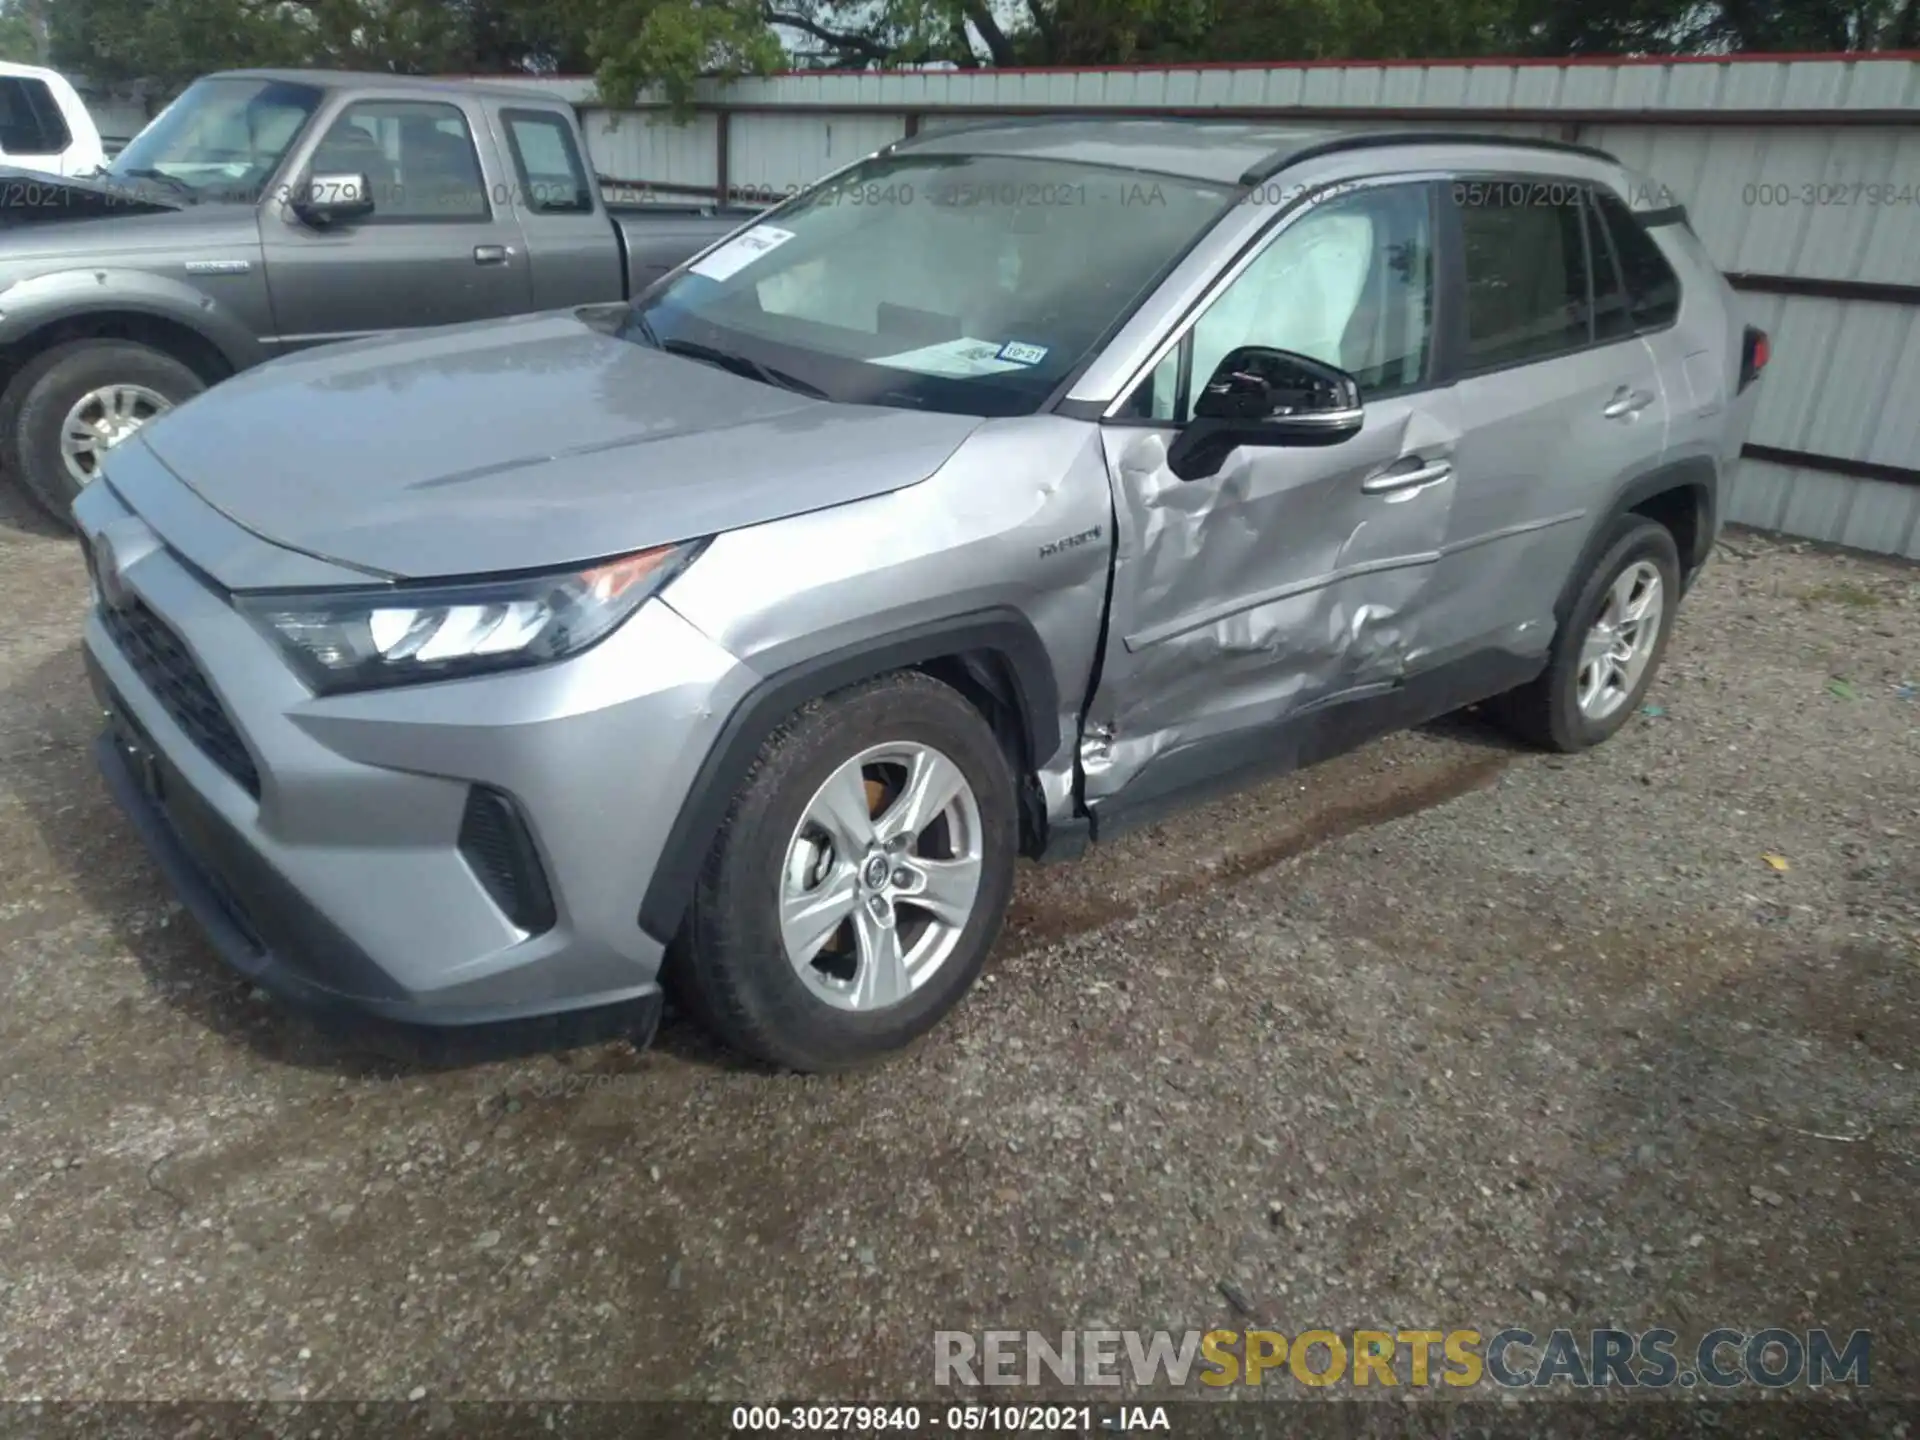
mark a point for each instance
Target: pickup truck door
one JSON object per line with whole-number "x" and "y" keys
{"x": 1291, "y": 580}
{"x": 573, "y": 257}
{"x": 442, "y": 246}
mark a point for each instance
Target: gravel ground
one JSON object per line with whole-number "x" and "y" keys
{"x": 1443, "y": 1033}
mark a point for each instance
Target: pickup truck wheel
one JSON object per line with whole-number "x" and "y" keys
{"x": 68, "y": 407}
{"x": 858, "y": 881}
{"x": 1605, "y": 656}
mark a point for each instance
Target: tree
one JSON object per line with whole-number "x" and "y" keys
{"x": 23, "y": 31}
{"x": 630, "y": 45}
{"x": 672, "y": 43}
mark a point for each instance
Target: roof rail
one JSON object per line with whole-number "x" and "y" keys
{"x": 1374, "y": 139}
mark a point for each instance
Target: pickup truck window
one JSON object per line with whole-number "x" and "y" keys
{"x": 418, "y": 158}
{"x": 966, "y": 283}
{"x": 552, "y": 179}
{"x": 30, "y": 119}
{"x": 223, "y": 139}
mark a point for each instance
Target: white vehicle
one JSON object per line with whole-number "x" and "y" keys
{"x": 43, "y": 124}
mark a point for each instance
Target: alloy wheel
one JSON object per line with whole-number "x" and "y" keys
{"x": 101, "y": 419}
{"x": 1618, "y": 648}
{"x": 880, "y": 876}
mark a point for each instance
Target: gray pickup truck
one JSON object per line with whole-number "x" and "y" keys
{"x": 265, "y": 211}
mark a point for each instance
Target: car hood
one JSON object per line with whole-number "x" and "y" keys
{"x": 522, "y": 444}
{"x": 29, "y": 197}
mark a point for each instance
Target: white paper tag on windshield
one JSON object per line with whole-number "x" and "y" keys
{"x": 742, "y": 251}
{"x": 958, "y": 358}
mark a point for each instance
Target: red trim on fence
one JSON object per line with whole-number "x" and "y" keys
{"x": 1456, "y": 63}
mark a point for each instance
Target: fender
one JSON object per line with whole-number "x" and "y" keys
{"x": 65, "y": 294}
{"x": 1000, "y": 630}
{"x": 1694, "y": 473}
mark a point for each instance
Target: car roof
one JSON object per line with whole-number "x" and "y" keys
{"x": 1221, "y": 151}
{"x": 12, "y": 69}
{"x": 425, "y": 84}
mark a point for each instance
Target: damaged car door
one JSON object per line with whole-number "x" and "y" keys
{"x": 1265, "y": 578}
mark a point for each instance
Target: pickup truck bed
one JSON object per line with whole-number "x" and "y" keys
{"x": 656, "y": 238}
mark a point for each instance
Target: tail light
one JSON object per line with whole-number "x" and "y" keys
{"x": 1754, "y": 352}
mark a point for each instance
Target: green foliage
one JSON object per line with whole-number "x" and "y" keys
{"x": 671, "y": 43}
{"x": 631, "y": 45}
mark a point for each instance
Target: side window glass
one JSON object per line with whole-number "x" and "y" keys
{"x": 418, "y": 157}
{"x": 551, "y": 176}
{"x": 30, "y": 119}
{"x": 1612, "y": 320}
{"x": 1526, "y": 270}
{"x": 1652, "y": 288}
{"x": 1349, "y": 283}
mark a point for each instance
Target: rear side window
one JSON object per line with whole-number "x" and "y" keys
{"x": 1525, "y": 253}
{"x": 30, "y": 119}
{"x": 551, "y": 175}
{"x": 1653, "y": 290}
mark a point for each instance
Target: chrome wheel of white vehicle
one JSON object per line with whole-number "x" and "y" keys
{"x": 1622, "y": 640}
{"x": 881, "y": 876}
{"x": 101, "y": 419}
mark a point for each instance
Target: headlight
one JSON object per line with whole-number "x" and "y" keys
{"x": 361, "y": 639}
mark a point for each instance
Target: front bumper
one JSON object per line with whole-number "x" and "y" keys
{"x": 328, "y": 865}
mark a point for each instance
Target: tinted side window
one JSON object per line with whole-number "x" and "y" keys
{"x": 1612, "y": 319}
{"x": 417, "y": 155}
{"x": 1652, "y": 287}
{"x": 551, "y": 174}
{"x": 1526, "y": 269}
{"x": 30, "y": 119}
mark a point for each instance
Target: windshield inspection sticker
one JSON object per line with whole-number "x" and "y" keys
{"x": 742, "y": 251}
{"x": 958, "y": 358}
{"x": 1021, "y": 354}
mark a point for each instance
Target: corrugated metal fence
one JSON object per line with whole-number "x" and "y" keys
{"x": 1801, "y": 174}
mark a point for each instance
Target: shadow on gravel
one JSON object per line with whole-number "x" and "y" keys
{"x": 96, "y": 847}
{"x": 108, "y": 865}
{"x": 18, "y": 512}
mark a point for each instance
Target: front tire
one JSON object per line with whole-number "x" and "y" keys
{"x": 858, "y": 881}
{"x": 1606, "y": 654}
{"x": 67, "y": 407}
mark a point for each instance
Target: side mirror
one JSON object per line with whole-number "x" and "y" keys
{"x": 327, "y": 199}
{"x": 1258, "y": 396}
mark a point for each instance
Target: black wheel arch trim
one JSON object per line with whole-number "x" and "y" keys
{"x": 999, "y": 630}
{"x": 1695, "y": 473}
{"x": 42, "y": 305}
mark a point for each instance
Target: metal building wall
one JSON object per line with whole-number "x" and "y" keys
{"x": 1776, "y": 158}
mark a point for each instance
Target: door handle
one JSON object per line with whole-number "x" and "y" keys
{"x": 1392, "y": 480}
{"x": 492, "y": 254}
{"x": 1627, "y": 402}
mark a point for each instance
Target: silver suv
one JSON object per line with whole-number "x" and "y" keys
{"x": 992, "y": 495}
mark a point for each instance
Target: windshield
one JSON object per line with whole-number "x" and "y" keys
{"x": 972, "y": 284}
{"x": 221, "y": 140}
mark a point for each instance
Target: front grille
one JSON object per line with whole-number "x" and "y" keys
{"x": 167, "y": 668}
{"x": 497, "y": 847}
